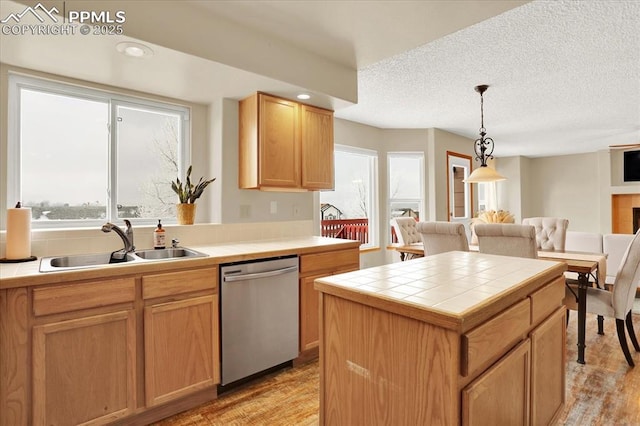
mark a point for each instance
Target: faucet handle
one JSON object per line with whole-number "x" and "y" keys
{"x": 175, "y": 242}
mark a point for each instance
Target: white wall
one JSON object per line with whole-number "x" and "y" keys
{"x": 577, "y": 187}
{"x": 565, "y": 186}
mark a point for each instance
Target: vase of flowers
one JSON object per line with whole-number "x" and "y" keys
{"x": 188, "y": 193}
{"x": 490, "y": 216}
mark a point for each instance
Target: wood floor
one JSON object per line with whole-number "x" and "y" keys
{"x": 604, "y": 391}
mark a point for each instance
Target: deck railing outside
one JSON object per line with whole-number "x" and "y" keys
{"x": 348, "y": 229}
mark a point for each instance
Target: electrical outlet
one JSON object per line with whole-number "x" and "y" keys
{"x": 274, "y": 207}
{"x": 245, "y": 211}
{"x": 296, "y": 210}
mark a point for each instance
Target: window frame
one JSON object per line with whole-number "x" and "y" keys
{"x": 17, "y": 82}
{"x": 422, "y": 205}
{"x": 373, "y": 225}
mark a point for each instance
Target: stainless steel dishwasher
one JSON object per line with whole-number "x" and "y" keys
{"x": 258, "y": 316}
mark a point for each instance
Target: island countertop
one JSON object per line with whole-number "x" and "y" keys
{"x": 454, "y": 290}
{"x": 458, "y": 338}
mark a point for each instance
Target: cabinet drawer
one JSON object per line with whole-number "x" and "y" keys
{"x": 492, "y": 339}
{"x": 73, "y": 297}
{"x": 330, "y": 261}
{"x": 173, "y": 283}
{"x": 546, "y": 300}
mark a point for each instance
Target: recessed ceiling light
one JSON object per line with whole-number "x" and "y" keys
{"x": 304, "y": 96}
{"x": 135, "y": 50}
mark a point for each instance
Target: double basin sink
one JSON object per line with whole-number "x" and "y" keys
{"x": 65, "y": 263}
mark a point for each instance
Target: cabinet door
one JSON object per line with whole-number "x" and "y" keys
{"x": 181, "y": 348}
{"x": 317, "y": 148}
{"x": 279, "y": 143}
{"x": 500, "y": 396}
{"x": 548, "y": 343}
{"x": 84, "y": 370}
{"x": 309, "y": 314}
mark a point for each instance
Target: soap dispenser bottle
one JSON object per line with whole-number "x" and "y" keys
{"x": 158, "y": 237}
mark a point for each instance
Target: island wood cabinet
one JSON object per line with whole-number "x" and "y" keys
{"x": 386, "y": 361}
{"x": 314, "y": 266}
{"x": 284, "y": 145}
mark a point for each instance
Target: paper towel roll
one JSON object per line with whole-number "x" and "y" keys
{"x": 18, "y": 233}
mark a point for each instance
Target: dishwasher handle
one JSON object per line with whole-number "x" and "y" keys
{"x": 257, "y": 275}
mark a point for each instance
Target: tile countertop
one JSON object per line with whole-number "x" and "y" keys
{"x": 454, "y": 290}
{"x": 27, "y": 274}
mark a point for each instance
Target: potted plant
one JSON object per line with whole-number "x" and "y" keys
{"x": 188, "y": 193}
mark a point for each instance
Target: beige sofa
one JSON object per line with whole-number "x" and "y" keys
{"x": 614, "y": 245}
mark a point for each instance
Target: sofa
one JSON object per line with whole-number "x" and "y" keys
{"x": 614, "y": 245}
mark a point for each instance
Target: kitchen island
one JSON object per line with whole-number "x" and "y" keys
{"x": 455, "y": 338}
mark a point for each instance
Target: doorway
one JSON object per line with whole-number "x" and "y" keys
{"x": 459, "y": 192}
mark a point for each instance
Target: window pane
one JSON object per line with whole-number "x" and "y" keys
{"x": 148, "y": 143}
{"x": 405, "y": 177}
{"x": 347, "y": 211}
{"x": 64, "y": 156}
{"x": 405, "y": 208}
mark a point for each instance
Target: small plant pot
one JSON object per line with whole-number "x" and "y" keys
{"x": 186, "y": 213}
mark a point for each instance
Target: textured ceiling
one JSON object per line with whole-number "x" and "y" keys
{"x": 564, "y": 77}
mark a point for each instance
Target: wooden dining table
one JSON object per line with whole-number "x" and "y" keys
{"x": 585, "y": 265}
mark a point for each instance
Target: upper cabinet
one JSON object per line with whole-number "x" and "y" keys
{"x": 284, "y": 145}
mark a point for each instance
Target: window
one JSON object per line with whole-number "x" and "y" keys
{"x": 406, "y": 185}
{"x": 80, "y": 157}
{"x": 350, "y": 210}
{"x": 487, "y": 199}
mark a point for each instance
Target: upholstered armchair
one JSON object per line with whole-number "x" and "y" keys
{"x": 405, "y": 229}
{"x": 507, "y": 239}
{"x": 551, "y": 232}
{"x": 440, "y": 237}
{"x": 619, "y": 302}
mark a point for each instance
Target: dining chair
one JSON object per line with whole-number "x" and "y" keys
{"x": 551, "y": 232}
{"x": 507, "y": 239}
{"x": 440, "y": 237}
{"x": 406, "y": 231}
{"x": 619, "y": 302}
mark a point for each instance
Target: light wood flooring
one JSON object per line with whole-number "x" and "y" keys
{"x": 604, "y": 391}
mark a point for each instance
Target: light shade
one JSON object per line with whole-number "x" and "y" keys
{"x": 484, "y": 174}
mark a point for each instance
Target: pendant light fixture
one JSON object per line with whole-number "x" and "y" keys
{"x": 483, "y": 148}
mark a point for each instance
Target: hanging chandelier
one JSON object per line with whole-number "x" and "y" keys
{"x": 483, "y": 148}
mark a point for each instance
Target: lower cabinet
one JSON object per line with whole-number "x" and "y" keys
{"x": 309, "y": 317}
{"x": 313, "y": 266}
{"x": 84, "y": 369}
{"x": 501, "y": 395}
{"x": 548, "y": 358}
{"x": 181, "y": 348}
{"x": 527, "y": 385}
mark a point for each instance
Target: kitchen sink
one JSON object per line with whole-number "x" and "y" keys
{"x": 80, "y": 261}
{"x": 168, "y": 253}
{"x": 50, "y": 264}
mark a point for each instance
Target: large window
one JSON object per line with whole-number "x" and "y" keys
{"x": 350, "y": 211}
{"x": 81, "y": 157}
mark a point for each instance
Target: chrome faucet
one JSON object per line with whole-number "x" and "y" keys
{"x": 127, "y": 236}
